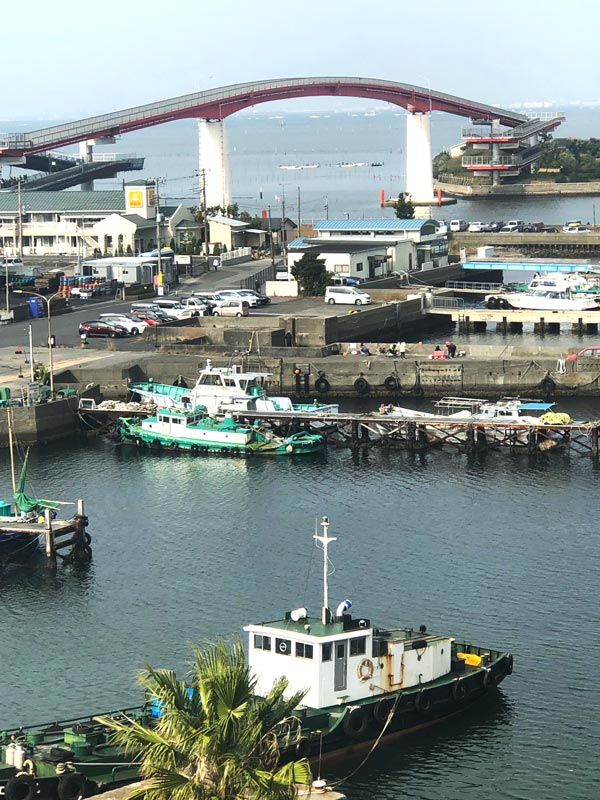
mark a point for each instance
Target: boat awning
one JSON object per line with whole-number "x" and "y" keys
{"x": 535, "y": 406}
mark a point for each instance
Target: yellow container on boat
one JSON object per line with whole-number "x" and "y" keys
{"x": 471, "y": 659}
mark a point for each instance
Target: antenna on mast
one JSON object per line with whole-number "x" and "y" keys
{"x": 325, "y": 539}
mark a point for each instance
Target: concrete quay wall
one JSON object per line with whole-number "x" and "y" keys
{"x": 499, "y": 371}
{"x": 40, "y": 424}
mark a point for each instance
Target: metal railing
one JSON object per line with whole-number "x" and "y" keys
{"x": 239, "y": 252}
{"x": 490, "y": 161}
{"x": 478, "y": 286}
{"x": 456, "y": 303}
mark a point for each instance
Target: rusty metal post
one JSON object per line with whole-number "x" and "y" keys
{"x": 470, "y": 438}
{"x": 531, "y": 441}
{"x": 595, "y": 443}
{"x": 504, "y": 324}
{"x": 354, "y": 434}
{"x": 411, "y": 434}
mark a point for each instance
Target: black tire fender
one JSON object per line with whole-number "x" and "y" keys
{"x": 423, "y": 703}
{"x": 303, "y": 748}
{"x": 381, "y": 710}
{"x": 322, "y": 385}
{"x": 391, "y": 382}
{"x": 157, "y": 443}
{"x": 459, "y": 691}
{"x": 195, "y": 449}
{"x": 356, "y": 722}
{"x": 139, "y": 441}
{"x": 418, "y": 392}
{"x": 71, "y": 786}
{"x": 21, "y": 787}
{"x": 361, "y": 385}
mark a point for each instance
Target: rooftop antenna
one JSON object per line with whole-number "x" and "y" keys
{"x": 325, "y": 539}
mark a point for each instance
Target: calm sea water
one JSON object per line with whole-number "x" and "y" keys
{"x": 500, "y": 550}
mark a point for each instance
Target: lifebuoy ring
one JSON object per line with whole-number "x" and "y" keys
{"x": 508, "y": 664}
{"x": 71, "y": 786}
{"x": 423, "y": 702}
{"x": 356, "y": 723}
{"x": 21, "y": 787}
{"x": 361, "y": 385}
{"x": 381, "y": 710}
{"x": 391, "y": 382}
{"x": 303, "y": 748}
{"x": 364, "y": 671}
{"x": 322, "y": 385}
{"x": 459, "y": 691}
{"x": 194, "y": 449}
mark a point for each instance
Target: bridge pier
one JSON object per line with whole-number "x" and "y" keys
{"x": 212, "y": 146}
{"x": 419, "y": 169}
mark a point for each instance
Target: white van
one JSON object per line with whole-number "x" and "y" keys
{"x": 232, "y": 308}
{"x": 172, "y": 307}
{"x": 457, "y": 225}
{"x": 349, "y": 295}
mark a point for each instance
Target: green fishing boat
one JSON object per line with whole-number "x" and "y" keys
{"x": 200, "y": 434}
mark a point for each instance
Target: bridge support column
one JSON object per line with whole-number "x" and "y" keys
{"x": 86, "y": 153}
{"x": 212, "y": 143}
{"x": 419, "y": 169}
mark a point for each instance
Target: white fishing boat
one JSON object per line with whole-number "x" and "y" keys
{"x": 223, "y": 389}
{"x": 551, "y": 292}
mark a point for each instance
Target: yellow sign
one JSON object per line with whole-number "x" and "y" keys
{"x": 136, "y": 198}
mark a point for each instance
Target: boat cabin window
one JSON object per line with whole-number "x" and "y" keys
{"x": 358, "y": 646}
{"x": 326, "y": 652}
{"x": 262, "y": 642}
{"x": 283, "y": 646}
{"x": 210, "y": 380}
{"x": 304, "y": 650}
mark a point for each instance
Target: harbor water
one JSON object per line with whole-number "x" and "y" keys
{"x": 497, "y": 549}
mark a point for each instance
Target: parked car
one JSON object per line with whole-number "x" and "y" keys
{"x": 232, "y": 308}
{"x": 102, "y": 327}
{"x": 172, "y": 307}
{"x": 495, "y": 226}
{"x": 344, "y": 280}
{"x": 283, "y": 273}
{"x": 577, "y": 229}
{"x": 349, "y": 295}
{"x": 262, "y": 300}
{"x": 155, "y": 317}
{"x": 238, "y": 294}
{"x": 202, "y": 304}
{"x": 477, "y": 227}
{"x": 550, "y": 229}
{"x": 441, "y": 226}
{"x": 134, "y": 325}
{"x": 457, "y": 225}
{"x": 509, "y": 229}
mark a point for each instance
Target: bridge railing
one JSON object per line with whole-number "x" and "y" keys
{"x": 453, "y": 303}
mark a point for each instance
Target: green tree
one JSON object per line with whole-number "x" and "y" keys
{"x": 217, "y": 742}
{"x": 404, "y": 208}
{"x": 311, "y": 275}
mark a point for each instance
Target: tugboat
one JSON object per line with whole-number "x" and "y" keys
{"x": 201, "y": 434}
{"x": 366, "y": 683}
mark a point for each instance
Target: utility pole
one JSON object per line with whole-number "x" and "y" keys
{"x": 157, "y": 206}
{"x": 20, "y": 220}
{"x": 204, "y": 215}
{"x": 271, "y": 239}
{"x": 326, "y": 208}
{"x": 299, "y": 215}
{"x": 283, "y": 242}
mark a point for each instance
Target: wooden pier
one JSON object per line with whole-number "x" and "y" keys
{"x": 509, "y": 320}
{"x": 66, "y": 539}
{"x": 413, "y": 434}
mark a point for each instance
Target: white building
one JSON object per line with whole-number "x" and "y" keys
{"x": 372, "y": 248}
{"x": 81, "y": 223}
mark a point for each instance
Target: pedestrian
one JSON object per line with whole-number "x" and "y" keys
{"x": 402, "y": 349}
{"x": 364, "y": 350}
{"x": 215, "y": 263}
{"x": 450, "y": 349}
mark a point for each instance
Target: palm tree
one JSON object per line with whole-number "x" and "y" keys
{"x": 215, "y": 739}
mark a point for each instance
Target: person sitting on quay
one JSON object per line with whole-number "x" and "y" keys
{"x": 364, "y": 350}
{"x": 450, "y": 349}
{"x": 438, "y": 353}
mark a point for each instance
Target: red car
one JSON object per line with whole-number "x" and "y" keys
{"x": 101, "y": 327}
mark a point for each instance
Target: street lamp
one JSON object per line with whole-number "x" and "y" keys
{"x": 48, "y": 301}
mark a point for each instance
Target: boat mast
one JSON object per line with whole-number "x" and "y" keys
{"x": 325, "y": 539}
{"x": 11, "y": 445}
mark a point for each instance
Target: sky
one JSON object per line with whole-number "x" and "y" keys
{"x": 70, "y": 59}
